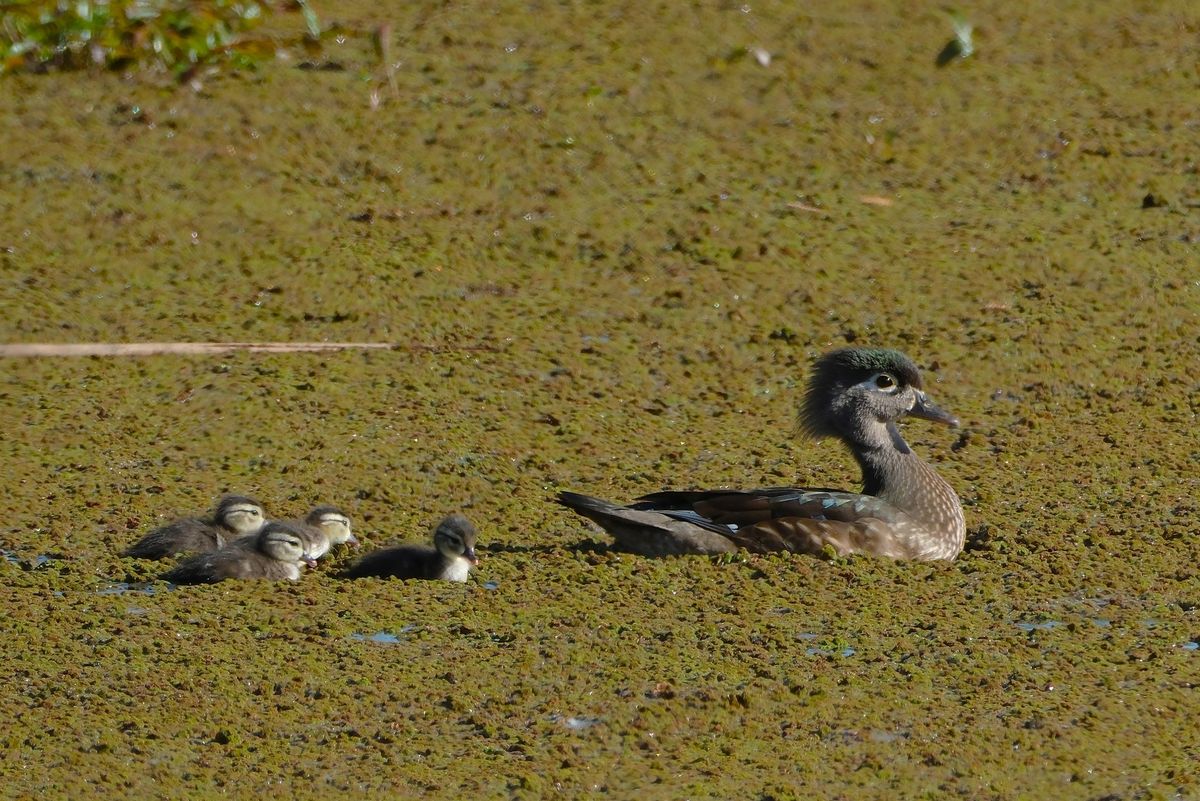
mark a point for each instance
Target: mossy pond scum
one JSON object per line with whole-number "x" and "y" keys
{"x": 607, "y": 240}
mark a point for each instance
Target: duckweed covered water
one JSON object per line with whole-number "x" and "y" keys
{"x": 606, "y": 240}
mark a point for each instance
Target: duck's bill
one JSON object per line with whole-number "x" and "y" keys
{"x": 471, "y": 557}
{"x": 308, "y": 560}
{"x": 928, "y": 410}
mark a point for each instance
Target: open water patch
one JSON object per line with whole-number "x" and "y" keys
{"x": 27, "y": 562}
{"x": 834, "y": 648}
{"x": 1031, "y": 626}
{"x": 385, "y": 637}
{"x": 139, "y": 587}
{"x": 575, "y": 722}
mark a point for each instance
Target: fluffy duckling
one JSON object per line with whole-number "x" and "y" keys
{"x": 276, "y": 553}
{"x": 330, "y": 526}
{"x": 235, "y": 516}
{"x": 450, "y": 559}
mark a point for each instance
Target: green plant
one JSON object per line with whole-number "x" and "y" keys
{"x": 178, "y": 36}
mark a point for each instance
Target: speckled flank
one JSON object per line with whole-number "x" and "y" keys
{"x": 934, "y": 503}
{"x": 609, "y": 240}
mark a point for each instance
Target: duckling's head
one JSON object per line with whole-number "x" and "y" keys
{"x": 283, "y": 543}
{"x": 455, "y": 537}
{"x": 853, "y": 391}
{"x": 334, "y": 523}
{"x": 241, "y": 514}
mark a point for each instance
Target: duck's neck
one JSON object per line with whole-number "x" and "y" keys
{"x": 893, "y": 472}
{"x": 884, "y": 457}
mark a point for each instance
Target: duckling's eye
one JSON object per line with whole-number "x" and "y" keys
{"x": 885, "y": 381}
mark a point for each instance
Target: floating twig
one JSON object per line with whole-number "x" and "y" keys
{"x": 33, "y": 349}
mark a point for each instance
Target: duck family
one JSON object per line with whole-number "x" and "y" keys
{"x": 857, "y": 396}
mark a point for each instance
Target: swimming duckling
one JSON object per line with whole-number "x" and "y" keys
{"x": 235, "y": 516}
{"x": 450, "y": 559}
{"x": 332, "y": 527}
{"x": 276, "y": 553}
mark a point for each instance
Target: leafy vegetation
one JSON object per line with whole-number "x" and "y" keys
{"x": 178, "y": 36}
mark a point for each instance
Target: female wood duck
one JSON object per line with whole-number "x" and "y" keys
{"x": 277, "y": 553}
{"x": 235, "y": 516}
{"x": 450, "y": 559}
{"x": 905, "y": 511}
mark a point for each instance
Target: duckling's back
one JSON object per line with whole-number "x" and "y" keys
{"x": 189, "y": 535}
{"x": 404, "y": 562}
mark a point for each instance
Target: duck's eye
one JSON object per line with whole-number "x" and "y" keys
{"x": 885, "y": 381}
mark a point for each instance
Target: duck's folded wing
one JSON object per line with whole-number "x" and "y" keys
{"x": 196, "y": 570}
{"x": 787, "y": 519}
{"x": 405, "y": 562}
{"x": 182, "y": 536}
{"x": 651, "y": 533}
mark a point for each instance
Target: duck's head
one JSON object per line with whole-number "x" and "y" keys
{"x": 455, "y": 537}
{"x": 283, "y": 543}
{"x": 855, "y": 392}
{"x": 240, "y": 514}
{"x": 334, "y": 523}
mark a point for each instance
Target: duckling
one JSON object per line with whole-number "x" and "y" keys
{"x": 235, "y": 516}
{"x": 276, "y": 553}
{"x": 905, "y": 510}
{"x": 450, "y": 559}
{"x": 331, "y": 527}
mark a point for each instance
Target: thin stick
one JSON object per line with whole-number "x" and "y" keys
{"x": 157, "y": 348}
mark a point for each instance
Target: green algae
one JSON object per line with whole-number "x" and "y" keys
{"x": 575, "y": 223}
{"x": 180, "y": 37}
